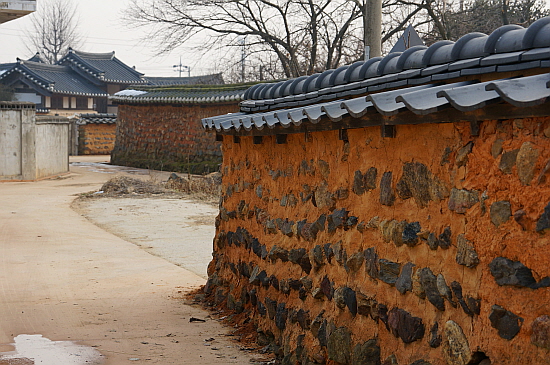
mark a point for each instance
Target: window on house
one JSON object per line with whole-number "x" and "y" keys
{"x": 65, "y": 102}
{"x": 73, "y": 102}
{"x": 47, "y": 102}
{"x": 90, "y": 103}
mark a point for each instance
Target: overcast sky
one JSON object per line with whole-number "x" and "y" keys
{"x": 104, "y": 32}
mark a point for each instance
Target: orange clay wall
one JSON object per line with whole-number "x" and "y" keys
{"x": 428, "y": 248}
{"x": 96, "y": 139}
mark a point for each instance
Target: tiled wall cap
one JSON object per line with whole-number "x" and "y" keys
{"x": 411, "y": 58}
{"x": 491, "y": 44}
{"x": 432, "y": 50}
{"x": 387, "y": 64}
{"x": 538, "y": 34}
{"x": 471, "y": 45}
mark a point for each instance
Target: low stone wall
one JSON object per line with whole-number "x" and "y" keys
{"x": 168, "y": 137}
{"x": 96, "y": 138}
{"x": 428, "y": 248}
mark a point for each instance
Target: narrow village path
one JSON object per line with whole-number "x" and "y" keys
{"x": 68, "y": 280}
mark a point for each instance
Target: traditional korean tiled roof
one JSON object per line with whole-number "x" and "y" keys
{"x": 186, "y": 94}
{"x": 97, "y": 118}
{"x": 102, "y": 67}
{"x": 36, "y": 58}
{"x": 421, "y": 80}
{"x": 213, "y": 79}
{"x": 52, "y": 79}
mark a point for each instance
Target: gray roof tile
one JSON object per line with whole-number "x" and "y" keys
{"x": 523, "y": 91}
{"x": 470, "y": 97}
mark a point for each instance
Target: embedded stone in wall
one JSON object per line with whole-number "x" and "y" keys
{"x": 278, "y": 253}
{"x": 405, "y": 326}
{"x": 435, "y": 337}
{"x": 507, "y": 323}
{"x": 496, "y": 148}
{"x": 281, "y": 316}
{"x": 444, "y": 240}
{"x": 324, "y": 199}
{"x": 367, "y": 353}
{"x": 387, "y": 195}
{"x": 514, "y": 273}
{"x": 371, "y": 262}
{"x": 544, "y": 221}
{"x": 444, "y": 289}
{"x": 462, "y": 154}
{"x": 456, "y": 349}
{"x": 339, "y": 345}
{"x": 429, "y": 284}
{"x": 526, "y": 161}
{"x": 462, "y": 200}
{"x": 410, "y": 234}
{"x": 389, "y": 271}
{"x": 404, "y": 281}
{"x": 417, "y": 287}
{"x": 541, "y": 332}
{"x": 367, "y": 306}
{"x": 500, "y": 212}
{"x": 466, "y": 254}
{"x": 418, "y": 182}
{"x": 432, "y": 241}
{"x": 507, "y": 161}
{"x": 324, "y": 168}
{"x": 355, "y": 261}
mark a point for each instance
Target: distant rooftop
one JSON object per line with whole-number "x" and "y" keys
{"x": 102, "y": 67}
{"x": 183, "y": 94}
{"x": 13, "y": 9}
{"x": 50, "y": 78}
{"x": 213, "y": 79}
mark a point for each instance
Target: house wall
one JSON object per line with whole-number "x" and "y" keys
{"x": 164, "y": 137}
{"x": 31, "y": 147}
{"x": 430, "y": 247}
{"x": 96, "y": 138}
{"x": 52, "y": 146}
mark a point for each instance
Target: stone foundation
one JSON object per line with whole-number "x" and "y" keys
{"x": 428, "y": 248}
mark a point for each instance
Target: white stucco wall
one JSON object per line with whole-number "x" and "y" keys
{"x": 31, "y": 147}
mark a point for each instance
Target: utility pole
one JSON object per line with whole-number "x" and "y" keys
{"x": 180, "y": 68}
{"x": 372, "y": 28}
{"x": 243, "y": 57}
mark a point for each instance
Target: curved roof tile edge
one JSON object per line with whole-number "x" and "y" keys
{"x": 490, "y": 47}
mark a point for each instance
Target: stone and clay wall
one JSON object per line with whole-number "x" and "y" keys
{"x": 428, "y": 248}
{"x": 168, "y": 137}
{"x": 96, "y": 138}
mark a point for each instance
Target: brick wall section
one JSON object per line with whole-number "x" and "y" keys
{"x": 428, "y": 248}
{"x": 96, "y": 139}
{"x": 164, "y": 136}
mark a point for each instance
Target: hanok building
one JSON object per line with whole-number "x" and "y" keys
{"x": 396, "y": 210}
{"x": 79, "y": 83}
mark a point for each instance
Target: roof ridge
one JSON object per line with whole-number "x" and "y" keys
{"x": 505, "y": 39}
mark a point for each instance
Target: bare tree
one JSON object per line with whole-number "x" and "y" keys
{"x": 54, "y": 29}
{"x": 304, "y": 35}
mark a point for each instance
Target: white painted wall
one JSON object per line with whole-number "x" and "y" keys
{"x": 31, "y": 147}
{"x": 10, "y": 143}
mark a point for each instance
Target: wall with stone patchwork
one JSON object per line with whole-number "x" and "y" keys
{"x": 428, "y": 248}
{"x": 96, "y": 138}
{"x": 168, "y": 137}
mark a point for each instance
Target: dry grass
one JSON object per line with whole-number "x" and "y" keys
{"x": 205, "y": 188}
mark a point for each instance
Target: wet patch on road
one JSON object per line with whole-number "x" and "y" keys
{"x": 35, "y": 349}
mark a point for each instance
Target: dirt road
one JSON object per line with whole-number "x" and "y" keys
{"x": 66, "y": 279}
